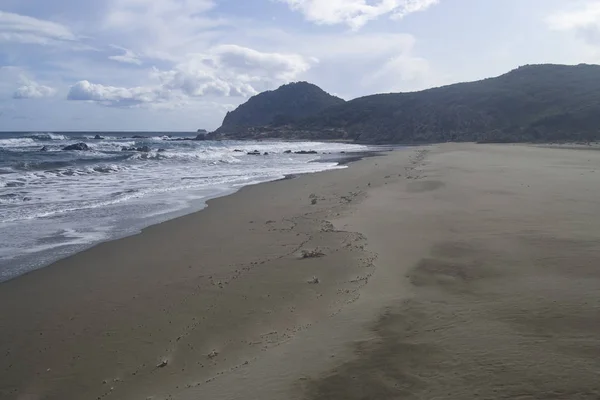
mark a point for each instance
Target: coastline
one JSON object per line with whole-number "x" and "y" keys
{"x": 441, "y": 274}
{"x": 66, "y": 281}
{"x": 58, "y": 248}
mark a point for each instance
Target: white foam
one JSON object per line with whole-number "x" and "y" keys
{"x": 47, "y": 136}
{"x": 17, "y": 142}
{"x": 110, "y": 145}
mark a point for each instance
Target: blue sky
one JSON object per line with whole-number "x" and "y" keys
{"x": 181, "y": 64}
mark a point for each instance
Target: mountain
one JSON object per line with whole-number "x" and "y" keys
{"x": 288, "y": 104}
{"x": 531, "y": 103}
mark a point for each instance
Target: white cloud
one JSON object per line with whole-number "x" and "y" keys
{"x": 33, "y": 90}
{"x": 582, "y": 21}
{"x": 24, "y": 29}
{"x": 117, "y": 96}
{"x": 128, "y": 56}
{"x": 134, "y": 13}
{"x": 224, "y": 71}
{"x": 244, "y": 61}
{"x": 581, "y": 16}
{"x": 84, "y": 90}
{"x": 407, "y": 7}
{"x": 355, "y": 13}
{"x": 231, "y": 70}
{"x": 161, "y": 29}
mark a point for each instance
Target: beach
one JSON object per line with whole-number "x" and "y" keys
{"x": 55, "y": 202}
{"x": 448, "y": 271}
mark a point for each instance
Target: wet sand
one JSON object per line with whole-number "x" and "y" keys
{"x": 450, "y": 271}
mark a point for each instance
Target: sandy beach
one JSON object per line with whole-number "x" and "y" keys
{"x": 451, "y": 271}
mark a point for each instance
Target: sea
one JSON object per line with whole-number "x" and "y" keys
{"x": 54, "y": 202}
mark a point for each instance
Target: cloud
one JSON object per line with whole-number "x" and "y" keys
{"x": 116, "y": 96}
{"x": 581, "y": 18}
{"x": 355, "y": 13}
{"x": 131, "y": 14}
{"x": 128, "y": 56}
{"x": 579, "y": 24}
{"x": 585, "y": 15}
{"x": 161, "y": 29}
{"x": 33, "y": 90}
{"x": 24, "y": 29}
{"x": 231, "y": 70}
{"x": 242, "y": 60}
{"x": 407, "y": 7}
{"x": 224, "y": 71}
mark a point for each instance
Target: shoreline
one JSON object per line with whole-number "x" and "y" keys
{"x": 59, "y": 253}
{"x": 429, "y": 272}
{"x": 98, "y": 274}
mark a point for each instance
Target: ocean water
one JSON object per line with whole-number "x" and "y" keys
{"x": 54, "y": 203}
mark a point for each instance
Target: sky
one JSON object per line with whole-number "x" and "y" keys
{"x": 180, "y": 65}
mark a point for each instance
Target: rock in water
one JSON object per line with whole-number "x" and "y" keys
{"x": 45, "y": 148}
{"x": 144, "y": 149}
{"x": 77, "y": 146}
{"x": 305, "y": 152}
{"x": 254, "y": 153}
{"x": 98, "y": 137}
{"x": 287, "y": 152}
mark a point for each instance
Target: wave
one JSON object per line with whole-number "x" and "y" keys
{"x": 47, "y": 136}
{"x": 84, "y": 160}
{"x": 41, "y": 213}
{"x": 281, "y": 147}
{"x": 31, "y": 140}
{"x": 204, "y": 155}
{"x": 13, "y": 198}
{"x": 93, "y": 174}
{"x": 110, "y": 145}
{"x": 236, "y": 152}
{"x": 92, "y": 169}
{"x": 48, "y": 210}
{"x": 39, "y": 166}
{"x": 17, "y": 142}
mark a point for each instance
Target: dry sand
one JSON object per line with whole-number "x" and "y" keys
{"x": 449, "y": 271}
